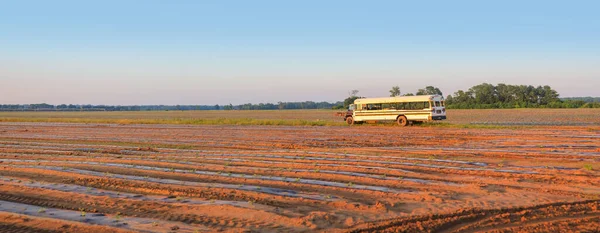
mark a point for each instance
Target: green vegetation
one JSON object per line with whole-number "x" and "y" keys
{"x": 353, "y": 95}
{"x": 220, "y": 121}
{"x": 481, "y": 96}
{"x": 584, "y": 99}
{"x": 82, "y": 212}
{"x": 459, "y": 118}
{"x": 395, "y": 91}
{"x": 286, "y": 105}
{"x": 248, "y": 106}
{"x": 429, "y": 90}
{"x": 512, "y": 96}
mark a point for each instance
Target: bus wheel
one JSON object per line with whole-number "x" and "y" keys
{"x": 402, "y": 121}
{"x": 350, "y": 120}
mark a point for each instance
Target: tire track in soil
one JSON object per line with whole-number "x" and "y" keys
{"x": 510, "y": 227}
{"x": 582, "y": 224}
{"x": 473, "y": 220}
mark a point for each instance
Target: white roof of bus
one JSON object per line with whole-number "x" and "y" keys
{"x": 398, "y": 99}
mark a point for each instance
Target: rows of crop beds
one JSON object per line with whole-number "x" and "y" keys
{"x": 291, "y": 179}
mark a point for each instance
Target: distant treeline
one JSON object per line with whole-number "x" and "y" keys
{"x": 515, "y": 96}
{"x": 88, "y": 107}
{"x": 584, "y": 99}
{"x": 287, "y": 105}
{"x": 484, "y": 95}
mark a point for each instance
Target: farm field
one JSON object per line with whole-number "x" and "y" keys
{"x": 70, "y": 177}
{"x": 504, "y": 117}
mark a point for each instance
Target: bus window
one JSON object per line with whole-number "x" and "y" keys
{"x": 420, "y": 105}
{"x": 388, "y": 106}
{"x": 416, "y": 105}
{"x": 400, "y": 106}
{"x": 412, "y": 106}
{"x": 438, "y": 104}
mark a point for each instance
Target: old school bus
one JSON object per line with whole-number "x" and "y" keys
{"x": 403, "y": 109}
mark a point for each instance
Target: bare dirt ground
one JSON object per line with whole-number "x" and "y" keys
{"x": 61, "y": 177}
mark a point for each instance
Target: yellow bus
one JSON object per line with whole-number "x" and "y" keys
{"x": 402, "y": 109}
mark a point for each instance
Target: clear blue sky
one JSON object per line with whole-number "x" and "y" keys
{"x": 220, "y": 52}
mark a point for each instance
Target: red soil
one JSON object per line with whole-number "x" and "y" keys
{"x": 362, "y": 179}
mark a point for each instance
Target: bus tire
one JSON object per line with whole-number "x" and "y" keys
{"x": 350, "y": 120}
{"x": 402, "y": 121}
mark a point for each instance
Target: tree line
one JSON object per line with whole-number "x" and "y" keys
{"x": 484, "y": 95}
{"x": 284, "y": 105}
{"x": 89, "y": 107}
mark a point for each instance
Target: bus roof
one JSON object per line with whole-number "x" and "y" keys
{"x": 396, "y": 99}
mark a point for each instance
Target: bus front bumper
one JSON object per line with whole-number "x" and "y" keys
{"x": 437, "y": 118}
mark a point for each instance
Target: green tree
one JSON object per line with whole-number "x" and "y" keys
{"x": 350, "y": 100}
{"x": 462, "y": 97}
{"x": 484, "y": 93}
{"x": 395, "y": 91}
{"x": 449, "y": 100}
{"x": 429, "y": 90}
{"x": 550, "y": 95}
{"x": 504, "y": 93}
